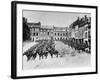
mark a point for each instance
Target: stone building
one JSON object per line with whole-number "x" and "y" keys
{"x": 81, "y": 28}
{"x": 45, "y": 32}
{"x": 60, "y": 33}
{"x": 87, "y": 31}
{"x": 34, "y": 30}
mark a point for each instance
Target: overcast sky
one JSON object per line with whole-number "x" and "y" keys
{"x": 59, "y": 19}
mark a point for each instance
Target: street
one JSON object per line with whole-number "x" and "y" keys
{"x": 67, "y": 57}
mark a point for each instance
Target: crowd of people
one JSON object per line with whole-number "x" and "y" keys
{"x": 42, "y": 50}
{"x": 78, "y": 44}
{"x": 47, "y": 47}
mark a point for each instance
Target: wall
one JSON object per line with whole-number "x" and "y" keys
{"x": 5, "y": 40}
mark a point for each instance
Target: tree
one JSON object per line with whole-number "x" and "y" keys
{"x": 26, "y": 30}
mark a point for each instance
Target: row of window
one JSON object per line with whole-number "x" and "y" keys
{"x": 59, "y": 34}
{"x": 87, "y": 34}
{"x": 60, "y": 38}
{"x": 35, "y": 34}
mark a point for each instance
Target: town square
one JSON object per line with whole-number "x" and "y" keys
{"x": 56, "y": 39}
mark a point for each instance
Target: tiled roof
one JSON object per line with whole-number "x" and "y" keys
{"x": 46, "y": 27}
{"x": 34, "y": 24}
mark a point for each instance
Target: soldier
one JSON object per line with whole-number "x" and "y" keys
{"x": 34, "y": 54}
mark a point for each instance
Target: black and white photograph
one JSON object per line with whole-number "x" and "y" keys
{"x": 56, "y": 39}
{"x": 53, "y": 39}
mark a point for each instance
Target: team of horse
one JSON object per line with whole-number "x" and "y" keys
{"x": 43, "y": 49}
{"x": 47, "y": 47}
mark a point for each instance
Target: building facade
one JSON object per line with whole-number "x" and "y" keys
{"x": 81, "y": 29}
{"x": 60, "y": 33}
{"x": 45, "y": 32}
{"x": 34, "y": 30}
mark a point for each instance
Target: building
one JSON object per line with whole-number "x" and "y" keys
{"x": 60, "y": 33}
{"x": 81, "y": 29}
{"x": 45, "y": 32}
{"x": 87, "y": 31}
{"x": 34, "y": 30}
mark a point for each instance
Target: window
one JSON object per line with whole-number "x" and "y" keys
{"x": 89, "y": 36}
{"x": 37, "y": 34}
{"x": 55, "y": 34}
{"x": 66, "y": 34}
{"x": 58, "y": 34}
{"x": 33, "y": 34}
{"x": 63, "y": 34}
{"x": 48, "y": 33}
{"x": 86, "y": 35}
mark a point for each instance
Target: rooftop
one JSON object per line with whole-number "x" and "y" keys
{"x": 34, "y": 24}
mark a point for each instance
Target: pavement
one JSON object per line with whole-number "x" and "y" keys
{"x": 27, "y": 45}
{"x": 80, "y": 60}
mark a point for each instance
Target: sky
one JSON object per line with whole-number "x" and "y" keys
{"x": 58, "y": 19}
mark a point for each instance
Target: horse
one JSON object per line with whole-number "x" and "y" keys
{"x": 45, "y": 53}
{"x": 55, "y": 53}
{"x": 28, "y": 55}
{"x": 34, "y": 54}
{"x": 40, "y": 53}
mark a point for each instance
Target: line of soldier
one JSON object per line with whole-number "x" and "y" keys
{"x": 42, "y": 50}
{"x": 79, "y": 44}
